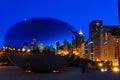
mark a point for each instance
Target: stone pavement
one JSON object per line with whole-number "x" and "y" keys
{"x": 67, "y": 73}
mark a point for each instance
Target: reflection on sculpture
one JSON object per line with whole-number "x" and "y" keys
{"x": 34, "y": 52}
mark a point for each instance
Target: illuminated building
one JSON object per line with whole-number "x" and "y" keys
{"x": 1, "y": 52}
{"x": 104, "y": 43}
{"x": 82, "y": 50}
{"x": 94, "y": 43}
{"x": 78, "y": 43}
{"x": 32, "y": 47}
{"x": 86, "y": 54}
{"x": 76, "y": 46}
{"x": 40, "y": 47}
{"x": 66, "y": 46}
{"x": 81, "y": 35}
{"x": 111, "y": 49}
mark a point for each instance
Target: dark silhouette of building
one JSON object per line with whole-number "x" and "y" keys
{"x": 25, "y": 45}
{"x": 57, "y": 45}
{"x": 94, "y": 42}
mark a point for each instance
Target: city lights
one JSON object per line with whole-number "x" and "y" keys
{"x": 103, "y": 69}
{"x": 28, "y": 50}
{"x": 23, "y": 49}
{"x": 28, "y": 71}
{"x": 1, "y": 52}
{"x": 97, "y": 59}
{"x": 116, "y": 69}
{"x": 55, "y": 71}
{"x": 100, "y": 64}
{"x": 101, "y": 51}
{"x": 18, "y": 49}
{"x": 14, "y": 49}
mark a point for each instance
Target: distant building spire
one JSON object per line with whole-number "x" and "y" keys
{"x": 80, "y": 33}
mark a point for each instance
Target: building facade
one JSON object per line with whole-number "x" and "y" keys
{"x": 111, "y": 47}
{"x": 104, "y": 42}
{"x": 94, "y": 43}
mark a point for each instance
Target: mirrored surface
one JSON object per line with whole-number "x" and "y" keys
{"x": 41, "y": 44}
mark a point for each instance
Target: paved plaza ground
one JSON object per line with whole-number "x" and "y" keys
{"x": 67, "y": 73}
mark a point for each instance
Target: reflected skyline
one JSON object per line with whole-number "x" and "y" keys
{"x": 44, "y": 30}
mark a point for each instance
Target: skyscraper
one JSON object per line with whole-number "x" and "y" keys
{"x": 32, "y": 47}
{"x": 95, "y": 39}
{"x": 104, "y": 42}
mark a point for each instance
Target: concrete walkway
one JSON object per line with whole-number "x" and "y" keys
{"x": 67, "y": 73}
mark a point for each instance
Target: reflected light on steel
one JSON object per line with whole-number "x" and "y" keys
{"x": 28, "y": 50}
{"x": 23, "y": 49}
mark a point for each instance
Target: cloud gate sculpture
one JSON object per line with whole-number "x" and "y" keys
{"x": 40, "y": 44}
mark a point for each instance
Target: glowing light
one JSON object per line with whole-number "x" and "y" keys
{"x": 18, "y": 49}
{"x": 28, "y": 50}
{"x": 25, "y": 19}
{"x": 97, "y": 59}
{"x": 81, "y": 33}
{"x": 100, "y": 64}
{"x": 13, "y": 48}
{"x": 1, "y": 53}
{"x": 103, "y": 69}
{"x": 28, "y": 71}
{"x": 3, "y": 47}
{"x": 116, "y": 69}
{"x": 115, "y": 62}
{"x": 106, "y": 60}
{"x": 55, "y": 71}
{"x": 75, "y": 51}
{"x": 23, "y": 49}
{"x": 6, "y": 47}
{"x": 56, "y": 41}
{"x": 62, "y": 52}
{"x": 10, "y": 49}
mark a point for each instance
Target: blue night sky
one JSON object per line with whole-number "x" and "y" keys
{"x": 78, "y": 13}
